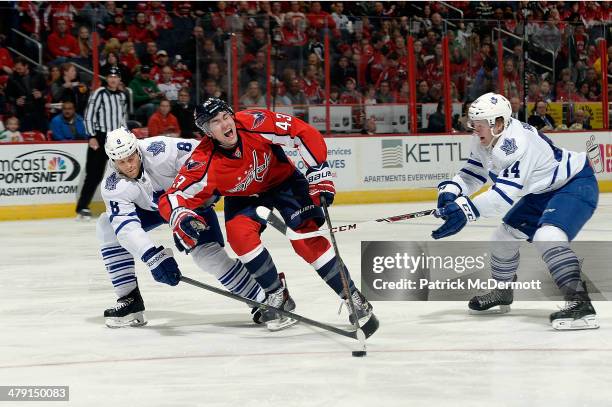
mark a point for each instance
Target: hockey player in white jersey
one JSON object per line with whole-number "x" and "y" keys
{"x": 547, "y": 194}
{"x": 138, "y": 172}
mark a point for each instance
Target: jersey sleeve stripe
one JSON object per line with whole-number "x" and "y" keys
{"x": 123, "y": 224}
{"x": 506, "y": 182}
{"x": 568, "y": 166}
{"x": 474, "y": 162}
{"x": 503, "y": 195}
{"x": 478, "y": 177}
{"x": 554, "y": 178}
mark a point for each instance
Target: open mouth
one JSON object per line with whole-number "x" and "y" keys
{"x": 228, "y": 133}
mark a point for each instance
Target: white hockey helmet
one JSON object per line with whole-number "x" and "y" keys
{"x": 489, "y": 107}
{"x": 120, "y": 143}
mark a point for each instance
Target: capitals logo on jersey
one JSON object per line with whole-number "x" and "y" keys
{"x": 255, "y": 173}
{"x": 193, "y": 164}
{"x": 258, "y": 119}
{"x": 509, "y": 146}
{"x": 157, "y": 147}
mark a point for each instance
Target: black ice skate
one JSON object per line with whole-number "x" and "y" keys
{"x": 278, "y": 299}
{"x": 578, "y": 313}
{"x": 363, "y": 308}
{"x": 127, "y": 312}
{"x": 484, "y": 304}
{"x": 84, "y": 215}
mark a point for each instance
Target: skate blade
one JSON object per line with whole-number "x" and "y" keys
{"x": 131, "y": 320}
{"x": 501, "y": 309}
{"x": 569, "y": 324}
{"x": 280, "y": 324}
{"x": 81, "y": 218}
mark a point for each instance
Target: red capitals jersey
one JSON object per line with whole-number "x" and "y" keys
{"x": 257, "y": 165}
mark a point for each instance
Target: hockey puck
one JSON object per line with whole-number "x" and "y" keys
{"x": 359, "y": 353}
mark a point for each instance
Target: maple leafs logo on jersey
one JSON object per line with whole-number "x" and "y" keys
{"x": 258, "y": 119}
{"x": 111, "y": 182}
{"x": 193, "y": 165}
{"x": 509, "y": 146}
{"x": 493, "y": 100}
{"x": 157, "y": 147}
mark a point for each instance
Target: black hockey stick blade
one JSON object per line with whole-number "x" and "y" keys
{"x": 370, "y": 326}
{"x": 321, "y": 325}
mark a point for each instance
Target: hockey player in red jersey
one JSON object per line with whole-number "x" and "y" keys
{"x": 242, "y": 159}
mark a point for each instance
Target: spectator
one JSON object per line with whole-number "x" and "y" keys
{"x": 128, "y": 57}
{"x": 84, "y": 43}
{"x": 106, "y": 111}
{"x": 518, "y": 111}
{"x": 343, "y": 24}
{"x": 211, "y": 89}
{"x": 11, "y": 133}
{"x": 141, "y": 31}
{"x": 162, "y": 122}
{"x": 334, "y": 95}
{"x": 161, "y": 61}
{"x": 182, "y": 76}
{"x": 6, "y": 61}
{"x": 581, "y": 121}
{"x": 512, "y": 83}
{"x": 95, "y": 14}
{"x": 214, "y": 72}
{"x": 118, "y": 28}
{"x": 310, "y": 85}
{"x": 369, "y": 98}
{"x": 369, "y": 126}
{"x": 183, "y": 111}
{"x": 540, "y": 119}
{"x": 26, "y": 92}
{"x": 182, "y": 21}
{"x": 150, "y": 54}
{"x": 69, "y": 87}
{"x": 546, "y": 91}
{"x": 68, "y": 125}
{"x": 384, "y": 94}
{"x": 422, "y": 94}
{"x": 112, "y": 60}
{"x": 437, "y": 123}
{"x": 146, "y": 94}
{"x": 253, "y": 96}
{"x": 167, "y": 86}
{"x": 61, "y": 44}
{"x": 59, "y": 10}
{"x": 343, "y": 69}
{"x": 461, "y": 123}
{"x": 256, "y": 70}
{"x": 158, "y": 16}
{"x": 319, "y": 19}
{"x": 258, "y": 42}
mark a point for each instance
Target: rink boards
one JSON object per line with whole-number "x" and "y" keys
{"x": 42, "y": 180}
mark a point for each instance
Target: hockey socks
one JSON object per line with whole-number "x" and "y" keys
{"x": 504, "y": 269}
{"x": 239, "y": 281}
{"x": 330, "y": 273}
{"x": 564, "y": 268}
{"x": 263, "y": 270}
{"x": 120, "y": 266}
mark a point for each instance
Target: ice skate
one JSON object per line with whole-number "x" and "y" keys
{"x": 363, "y": 308}
{"x": 127, "y": 312}
{"x": 84, "y": 215}
{"x": 578, "y": 313}
{"x": 494, "y": 302}
{"x": 278, "y": 299}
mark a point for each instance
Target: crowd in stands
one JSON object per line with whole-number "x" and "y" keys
{"x": 170, "y": 53}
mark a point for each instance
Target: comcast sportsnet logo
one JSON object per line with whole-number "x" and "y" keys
{"x": 39, "y": 166}
{"x": 600, "y": 156}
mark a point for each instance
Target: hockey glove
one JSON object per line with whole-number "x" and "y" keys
{"x": 186, "y": 227}
{"x": 320, "y": 184}
{"x": 456, "y": 215}
{"x": 162, "y": 265}
{"x": 448, "y": 191}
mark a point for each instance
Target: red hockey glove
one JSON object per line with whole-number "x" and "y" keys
{"x": 321, "y": 184}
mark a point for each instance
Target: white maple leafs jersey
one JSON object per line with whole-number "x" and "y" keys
{"x": 523, "y": 161}
{"x": 162, "y": 157}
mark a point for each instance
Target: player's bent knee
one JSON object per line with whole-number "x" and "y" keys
{"x": 104, "y": 230}
{"x": 243, "y": 234}
{"x": 506, "y": 241}
{"x": 212, "y": 258}
{"x": 549, "y": 236}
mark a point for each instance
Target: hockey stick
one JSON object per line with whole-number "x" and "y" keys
{"x": 345, "y": 285}
{"x": 368, "y": 329}
{"x": 279, "y": 224}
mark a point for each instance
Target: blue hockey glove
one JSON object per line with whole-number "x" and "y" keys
{"x": 448, "y": 191}
{"x": 320, "y": 184}
{"x": 456, "y": 215}
{"x": 162, "y": 265}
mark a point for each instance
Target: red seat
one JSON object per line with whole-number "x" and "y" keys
{"x": 141, "y": 132}
{"x": 33, "y": 136}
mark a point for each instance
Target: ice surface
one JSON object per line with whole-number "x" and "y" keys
{"x": 200, "y": 349}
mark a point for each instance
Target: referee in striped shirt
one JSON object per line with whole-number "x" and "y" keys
{"x": 106, "y": 110}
